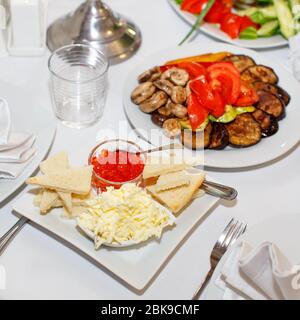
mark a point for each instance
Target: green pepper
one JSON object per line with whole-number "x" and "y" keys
{"x": 231, "y": 113}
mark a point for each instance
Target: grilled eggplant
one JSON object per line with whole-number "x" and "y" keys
{"x": 268, "y": 123}
{"x": 240, "y": 61}
{"x": 269, "y": 103}
{"x": 259, "y": 73}
{"x": 244, "y": 131}
{"x": 219, "y": 137}
{"x": 196, "y": 139}
{"x": 158, "y": 118}
{"x": 274, "y": 89}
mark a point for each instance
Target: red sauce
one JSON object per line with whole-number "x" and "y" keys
{"x": 116, "y": 166}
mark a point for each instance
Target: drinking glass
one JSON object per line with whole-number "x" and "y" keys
{"x": 78, "y": 81}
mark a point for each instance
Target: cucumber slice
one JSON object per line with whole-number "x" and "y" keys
{"x": 249, "y": 33}
{"x": 269, "y": 12}
{"x": 258, "y": 17}
{"x": 268, "y": 29}
{"x": 231, "y": 113}
{"x": 185, "y": 124}
{"x": 285, "y": 18}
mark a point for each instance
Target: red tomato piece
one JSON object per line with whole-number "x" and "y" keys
{"x": 194, "y": 69}
{"x": 193, "y": 6}
{"x": 225, "y": 79}
{"x": 231, "y": 24}
{"x": 204, "y": 93}
{"x": 219, "y": 107}
{"x": 217, "y": 11}
{"x": 197, "y": 113}
{"x": 247, "y": 97}
{"x": 246, "y": 22}
{"x": 227, "y": 66}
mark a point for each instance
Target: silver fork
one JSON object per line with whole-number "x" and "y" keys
{"x": 232, "y": 231}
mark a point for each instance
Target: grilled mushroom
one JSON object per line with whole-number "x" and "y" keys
{"x": 164, "y": 85}
{"x": 157, "y": 100}
{"x": 150, "y": 75}
{"x": 172, "y": 128}
{"x": 179, "y": 110}
{"x": 178, "y": 95}
{"x": 142, "y": 92}
{"x": 178, "y": 76}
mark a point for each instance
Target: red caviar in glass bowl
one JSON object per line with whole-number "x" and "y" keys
{"x": 116, "y": 162}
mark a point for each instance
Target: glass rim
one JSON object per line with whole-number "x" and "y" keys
{"x": 83, "y": 45}
{"x": 117, "y": 183}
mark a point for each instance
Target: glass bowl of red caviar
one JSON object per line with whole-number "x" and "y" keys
{"x": 116, "y": 162}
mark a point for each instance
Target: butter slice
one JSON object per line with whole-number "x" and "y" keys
{"x": 172, "y": 180}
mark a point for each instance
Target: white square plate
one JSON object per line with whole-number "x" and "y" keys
{"x": 135, "y": 265}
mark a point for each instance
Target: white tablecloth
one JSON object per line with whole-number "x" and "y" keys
{"x": 38, "y": 266}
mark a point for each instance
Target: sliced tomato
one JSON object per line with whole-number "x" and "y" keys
{"x": 217, "y": 11}
{"x": 196, "y": 111}
{"x": 204, "y": 92}
{"x": 219, "y": 105}
{"x": 231, "y": 24}
{"x": 194, "y": 69}
{"x": 247, "y": 97}
{"x": 226, "y": 81}
{"x": 246, "y": 22}
{"x": 193, "y": 6}
{"x": 227, "y": 66}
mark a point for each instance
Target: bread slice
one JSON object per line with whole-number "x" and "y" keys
{"x": 76, "y": 211}
{"x": 75, "y": 180}
{"x": 172, "y": 180}
{"x": 56, "y": 163}
{"x": 77, "y": 200}
{"x": 177, "y": 198}
{"x": 48, "y": 198}
{"x": 66, "y": 198}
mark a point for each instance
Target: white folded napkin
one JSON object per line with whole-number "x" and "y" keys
{"x": 261, "y": 274}
{"x": 13, "y": 170}
{"x": 294, "y": 55}
{"x": 4, "y": 122}
{"x": 19, "y": 154}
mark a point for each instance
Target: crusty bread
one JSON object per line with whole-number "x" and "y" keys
{"x": 66, "y": 198}
{"x": 58, "y": 162}
{"x": 177, "y": 198}
{"x": 75, "y": 180}
{"x": 154, "y": 170}
{"x": 76, "y": 211}
{"x": 172, "y": 180}
{"x": 77, "y": 200}
{"x": 47, "y": 199}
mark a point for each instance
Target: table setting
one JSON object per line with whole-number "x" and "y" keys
{"x": 148, "y": 152}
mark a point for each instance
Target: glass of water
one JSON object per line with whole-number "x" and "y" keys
{"x": 78, "y": 84}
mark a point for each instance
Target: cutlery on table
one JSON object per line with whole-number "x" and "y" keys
{"x": 5, "y": 239}
{"x": 232, "y": 231}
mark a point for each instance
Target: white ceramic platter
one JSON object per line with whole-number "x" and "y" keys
{"x": 136, "y": 265}
{"x": 274, "y": 230}
{"x": 266, "y": 150}
{"x": 214, "y": 31}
